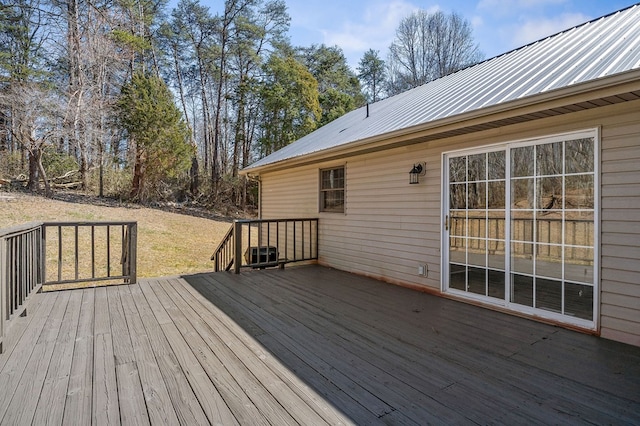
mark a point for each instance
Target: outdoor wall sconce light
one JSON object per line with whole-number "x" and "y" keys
{"x": 419, "y": 169}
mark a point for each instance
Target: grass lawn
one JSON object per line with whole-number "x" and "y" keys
{"x": 168, "y": 243}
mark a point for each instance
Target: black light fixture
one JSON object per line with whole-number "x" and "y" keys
{"x": 417, "y": 171}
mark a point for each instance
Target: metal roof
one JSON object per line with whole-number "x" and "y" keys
{"x": 600, "y": 48}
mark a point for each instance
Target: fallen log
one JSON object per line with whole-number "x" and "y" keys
{"x": 71, "y": 185}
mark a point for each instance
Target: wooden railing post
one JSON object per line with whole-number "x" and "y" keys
{"x": 43, "y": 255}
{"x": 237, "y": 246}
{"x": 4, "y": 270}
{"x": 133, "y": 255}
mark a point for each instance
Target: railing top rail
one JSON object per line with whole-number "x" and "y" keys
{"x": 19, "y": 229}
{"x": 298, "y": 219}
{"x": 91, "y": 223}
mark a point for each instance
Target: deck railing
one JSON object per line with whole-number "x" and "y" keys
{"x": 21, "y": 272}
{"x": 77, "y": 252}
{"x": 47, "y": 253}
{"x": 261, "y": 243}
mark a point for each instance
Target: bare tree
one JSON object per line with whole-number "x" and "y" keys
{"x": 35, "y": 127}
{"x": 429, "y": 46}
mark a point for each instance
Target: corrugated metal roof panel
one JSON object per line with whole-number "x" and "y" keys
{"x": 596, "y": 49}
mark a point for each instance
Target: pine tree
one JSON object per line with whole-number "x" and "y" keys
{"x": 153, "y": 122}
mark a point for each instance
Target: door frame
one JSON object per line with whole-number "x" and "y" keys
{"x": 506, "y": 303}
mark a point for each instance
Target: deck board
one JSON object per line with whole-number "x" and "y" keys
{"x": 156, "y": 395}
{"x": 50, "y": 405}
{"x": 304, "y": 345}
{"x": 79, "y": 395}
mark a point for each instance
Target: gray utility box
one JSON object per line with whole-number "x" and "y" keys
{"x": 263, "y": 254}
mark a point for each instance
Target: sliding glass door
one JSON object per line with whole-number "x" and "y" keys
{"x": 520, "y": 226}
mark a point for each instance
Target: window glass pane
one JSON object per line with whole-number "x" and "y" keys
{"x": 579, "y": 192}
{"x": 458, "y": 196}
{"x": 478, "y": 281}
{"x": 522, "y": 290}
{"x": 522, "y": 226}
{"x": 457, "y": 169}
{"x": 458, "y": 249}
{"x": 477, "y": 224}
{"x": 326, "y": 179}
{"x": 496, "y": 284}
{"x": 549, "y": 261}
{"x": 578, "y": 300}
{"x": 549, "y": 228}
{"x": 579, "y": 156}
{"x": 338, "y": 178}
{"x": 522, "y": 193}
{"x": 333, "y": 200}
{"x": 495, "y": 224}
{"x": 522, "y": 161}
{"x": 549, "y": 295}
{"x": 477, "y": 195}
{"x": 496, "y": 166}
{"x": 522, "y": 258}
{"x": 496, "y": 196}
{"x": 578, "y": 264}
{"x": 458, "y": 223}
{"x": 458, "y": 277}
{"x": 549, "y": 159}
{"x": 333, "y": 179}
{"x": 477, "y": 168}
{"x": 477, "y": 252}
{"x": 496, "y": 254}
{"x": 549, "y": 195}
{"x": 578, "y": 228}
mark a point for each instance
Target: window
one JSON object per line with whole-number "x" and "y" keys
{"x": 332, "y": 190}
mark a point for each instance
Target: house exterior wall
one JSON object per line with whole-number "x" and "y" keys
{"x": 390, "y": 228}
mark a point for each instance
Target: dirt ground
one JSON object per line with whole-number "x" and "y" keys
{"x": 169, "y": 243}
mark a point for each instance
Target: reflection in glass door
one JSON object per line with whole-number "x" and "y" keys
{"x": 477, "y": 223}
{"x": 521, "y": 226}
{"x": 552, "y": 215}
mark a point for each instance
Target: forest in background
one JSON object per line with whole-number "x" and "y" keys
{"x": 133, "y": 100}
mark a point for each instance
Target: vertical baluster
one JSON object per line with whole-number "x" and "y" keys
{"x": 108, "y": 251}
{"x": 302, "y": 238}
{"x": 238, "y": 245}
{"x": 286, "y": 240}
{"x": 42, "y": 254}
{"x": 249, "y": 244}
{"x": 76, "y": 264}
{"x": 59, "y": 253}
{"x": 295, "y": 243}
{"x": 133, "y": 253}
{"x": 93, "y": 251}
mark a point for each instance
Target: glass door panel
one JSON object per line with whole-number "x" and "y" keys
{"x": 521, "y": 225}
{"x": 552, "y": 217}
{"x": 477, "y": 223}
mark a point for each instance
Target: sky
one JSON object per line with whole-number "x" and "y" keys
{"x": 498, "y": 25}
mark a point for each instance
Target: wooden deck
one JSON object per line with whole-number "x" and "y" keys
{"x": 306, "y": 345}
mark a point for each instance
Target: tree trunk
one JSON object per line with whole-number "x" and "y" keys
{"x": 34, "y": 172}
{"x": 137, "y": 184}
